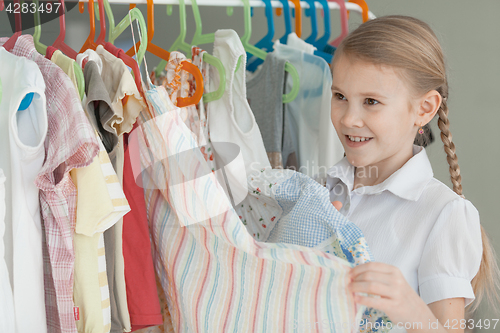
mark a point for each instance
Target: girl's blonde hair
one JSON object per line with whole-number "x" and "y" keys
{"x": 411, "y": 46}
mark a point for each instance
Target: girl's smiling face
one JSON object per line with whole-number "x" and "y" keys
{"x": 372, "y": 112}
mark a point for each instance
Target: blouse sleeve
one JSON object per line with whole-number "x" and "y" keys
{"x": 452, "y": 254}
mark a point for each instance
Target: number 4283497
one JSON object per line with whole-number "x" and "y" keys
{"x": 25, "y": 8}
{"x": 471, "y": 323}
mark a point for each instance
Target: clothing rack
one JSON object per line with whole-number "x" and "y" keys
{"x": 237, "y": 3}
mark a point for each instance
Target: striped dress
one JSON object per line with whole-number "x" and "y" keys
{"x": 217, "y": 277}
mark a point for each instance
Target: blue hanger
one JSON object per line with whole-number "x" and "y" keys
{"x": 265, "y": 43}
{"x": 311, "y": 11}
{"x": 288, "y": 21}
{"x": 323, "y": 41}
{"x": 26, "y": 102}
{"x": 314, "y": 22}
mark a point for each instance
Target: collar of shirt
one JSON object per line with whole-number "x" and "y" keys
{"x": 408, "y": 182}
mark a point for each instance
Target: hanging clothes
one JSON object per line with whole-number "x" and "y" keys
{"x": 238, "y": 284}
{"x": 101, "y": 204}
{"x": 70, "y": 143}
{"x": 22, "y": 154}
{"x": 65, "y": 63}
{"x": 205, "y": 142}
{"x": 264, "y": 95}
{"x": 297, "y": 43}
{"x": 230, "y": 118}
{"x": 316, "y": 142}
{"x": 127, "y": 103}
{"x": 99, "y": 106}
{"x": 142, "y": 295}
{"x": 7, "y": 316}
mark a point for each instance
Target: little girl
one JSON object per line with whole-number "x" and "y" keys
{"x": 432, "y": 255}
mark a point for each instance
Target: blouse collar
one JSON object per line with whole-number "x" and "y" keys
{"x": 408, "y": 182}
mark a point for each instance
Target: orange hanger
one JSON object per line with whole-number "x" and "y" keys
{"x": 165, "y": 55}
{"x": 90, "y": 43}
{"x": 152, "y": 48}
{"x": 298, "y": 17}
{"x": 364, "y": 9}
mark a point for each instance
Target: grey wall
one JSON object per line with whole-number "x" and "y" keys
{"x": 468, "y": 31}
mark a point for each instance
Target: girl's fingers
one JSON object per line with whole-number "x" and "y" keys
{"x": 374, "y": 288}
{"x": 372, "y": 266}
{"x": 374, "y": 276}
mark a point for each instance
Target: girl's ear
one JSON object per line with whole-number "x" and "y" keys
{"x": 428, "y": 106}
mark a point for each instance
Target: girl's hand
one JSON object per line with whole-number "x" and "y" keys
{"x": 397, "y": 298}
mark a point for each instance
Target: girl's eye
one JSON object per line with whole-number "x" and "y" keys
{"x": 371, "y": 101}
{"x": 339, "y": 96}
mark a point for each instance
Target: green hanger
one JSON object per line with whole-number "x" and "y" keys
{"x": 179, "y": 43}
{"x": 115, "y": 31}
{"x": 42, "y": 49}
{"x": 245, "y": 40}
{"x": 199, "y": 39}
{"x": 111, "y": 19}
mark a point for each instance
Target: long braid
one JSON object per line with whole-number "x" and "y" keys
{"x": 449, "y": 147}
{"x": 487, "y": 276}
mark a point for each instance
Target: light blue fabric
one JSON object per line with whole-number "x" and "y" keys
{"x": 309, "y": 218}
{"x": 285, "y": 206}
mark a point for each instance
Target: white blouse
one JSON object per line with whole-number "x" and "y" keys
{"x": 416, "y": 223}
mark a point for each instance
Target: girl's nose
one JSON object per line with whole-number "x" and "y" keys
{"x": 352, "y": 117}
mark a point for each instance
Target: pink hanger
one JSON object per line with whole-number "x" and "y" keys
{"x": 19, "y": 29}
{"x": 343, "y": 21}
{"x": 59, "y": 43}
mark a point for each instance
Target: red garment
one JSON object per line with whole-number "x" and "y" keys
{"x": 142, "y": 295}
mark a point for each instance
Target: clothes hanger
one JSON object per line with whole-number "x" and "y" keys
{"x": 314, "y": 27}
{"x": 266, "y": 43}
{"x": 245, "y": 40}
{"x": 199, "y": 39}
{"x": 59, "y": 42}
{"x": 364, "y": 9}
{"x": 311, "y": 12}
{"x": 9, "y": 44}
{"x": 288, "y": 20}
{"x": 42, "y": 49}
{"x": 90, "y": 43}
{"x": 165, "y": 55}
{"x": 298, "y": 17}
{"x": 152, "y": 48}
{"x": 135, "y": 14}
{"x": 343, "y": 21}
{"x": 179, "y": 43}
{"x": 321, "y": 42}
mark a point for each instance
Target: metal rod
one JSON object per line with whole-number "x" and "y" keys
{"x": 236, "y": 3}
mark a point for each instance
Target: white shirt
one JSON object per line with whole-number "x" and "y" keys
{"x": 22, "y": 152}
{"x": 230, "y": 118}
{"x": 316, "y": 142}
{"x": 299, "y": 44}
{"x": 416, "y": 223}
